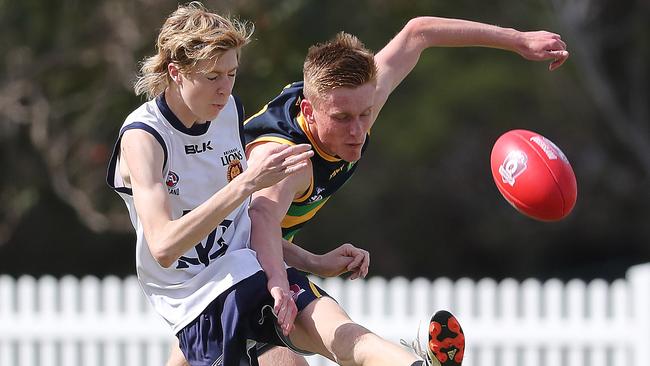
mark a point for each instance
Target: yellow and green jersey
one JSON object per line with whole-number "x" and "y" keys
{"x": 281, "y": 121}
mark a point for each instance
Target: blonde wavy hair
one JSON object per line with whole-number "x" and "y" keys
{"x": 190, "y": 34}
{"x": 343, "y": 61}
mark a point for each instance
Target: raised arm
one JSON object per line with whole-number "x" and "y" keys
{"x": 396, "y": 60}
{"x": 168, "y": 239}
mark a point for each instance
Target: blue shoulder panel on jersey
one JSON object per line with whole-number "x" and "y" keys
{"x": 278, "y": 117}
{"x": 112, "y": 165}
{"x": 240, "y": 116}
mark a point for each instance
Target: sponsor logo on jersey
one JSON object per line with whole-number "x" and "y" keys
{"x": 234, "y": 169}
{"x": 172, "y": 182}
{"x": 513, "y": 165}
{"x": 318, "y": 196}
{"x": 315, "y": 198}
{"x": 197, "y": 149}
{"x": 232, "y": 159}
{"x": 338, "y": 170}
{"x": 211, "y": 248}
{"x": 295, "y": 291}
{"x": 231, "y": 155}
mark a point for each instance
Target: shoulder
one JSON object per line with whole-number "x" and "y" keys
{"x": 259, "y": 149}
{"x": 136, "y": 140}
{"x": 276, "y": 121}
{"x": 287, "y": 103}
{"x": 293, "y": 185}
{"x": 145, "y": 132}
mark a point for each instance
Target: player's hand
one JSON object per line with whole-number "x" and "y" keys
{"x": 346, "y": 258}
{"x": 284, "y": 308}
{"x": 280, "y": 162}
{"x": 542, "y": 46}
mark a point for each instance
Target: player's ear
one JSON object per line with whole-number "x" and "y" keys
{"x": 307, "y": 110}
{"x": 174, "y": 72}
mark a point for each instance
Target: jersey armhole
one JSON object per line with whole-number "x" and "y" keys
{"x": 309, "y": 190}
{"x": 111, "y": 178}
{"x": 240, "y": 119}
{"x": 270, "y": 138}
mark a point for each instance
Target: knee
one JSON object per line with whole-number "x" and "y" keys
{"x": 281, "y": 356}
{"x": 176, "y": 357}
{"x": 352, "y": 342}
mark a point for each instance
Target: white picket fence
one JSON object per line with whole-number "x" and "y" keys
{"x": 107, "y": 322}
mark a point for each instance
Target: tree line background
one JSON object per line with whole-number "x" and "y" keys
{"x": 422, "y": 201}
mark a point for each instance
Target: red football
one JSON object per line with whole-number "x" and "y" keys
{"x": 533, "y": 175}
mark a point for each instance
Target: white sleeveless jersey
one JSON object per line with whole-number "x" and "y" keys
{"x": 198, "y": 162}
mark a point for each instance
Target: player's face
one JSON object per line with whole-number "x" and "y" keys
{"x": 206, "y": 92}
{"x": 342, "y": 118}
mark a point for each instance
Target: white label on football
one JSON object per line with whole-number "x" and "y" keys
{"x": 513, "y": 165}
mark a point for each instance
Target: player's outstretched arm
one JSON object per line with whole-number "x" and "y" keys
{"x": 168, "y": 239}
{"x": 345, "y": 258}
{"x": 401, "y": 54}
{"x": 268, "y": 207}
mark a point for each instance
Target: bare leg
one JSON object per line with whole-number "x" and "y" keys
{"x": 281, "y": 356}
{"x": 323, "y": 327}
{"x": 176, "y": 357}
{"x": 273, "y": 357}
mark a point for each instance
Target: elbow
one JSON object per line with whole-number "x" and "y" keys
{"x": 425, "y": 31}
{"x": 165, "y": 262}
{"x": 417, "y": 33}
{"x": 163, "y": 256}
{"x": 417, "y": 25}
{"x": 263, "y": 224}
{"x": 255, "y": 212}
{"x": 259, "y": 213}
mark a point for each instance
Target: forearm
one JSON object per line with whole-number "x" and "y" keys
{"x": 168, "y": 242}
{"x": 401, "y": 54}
{"x": 268, "y": 208}
{"x": 427, "y": 32}
{"x": 266, "y": 241}
{"x": 297, "y": 257}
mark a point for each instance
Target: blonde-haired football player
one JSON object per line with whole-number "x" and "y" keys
{"x": 179, "y": 165}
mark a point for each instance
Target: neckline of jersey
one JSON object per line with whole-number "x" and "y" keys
{"x": 197, "y": 129}
{"x": 303, "y": 126}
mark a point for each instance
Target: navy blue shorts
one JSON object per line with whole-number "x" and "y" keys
{"x": 227, "y": 331}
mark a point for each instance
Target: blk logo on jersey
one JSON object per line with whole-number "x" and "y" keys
{"x": 197, "y": 149}
{"x": 172, "y": 182}
{"x": 207, "y": 251}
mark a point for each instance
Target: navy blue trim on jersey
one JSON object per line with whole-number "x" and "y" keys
{"x": 219, "y": 335}
{"x": 240, "y": 116}
{"x": 197, "y": 129}
{"x": 279, "y": 118}
{"x": 112, "y": 165}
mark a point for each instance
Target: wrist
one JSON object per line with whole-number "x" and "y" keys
{"x": 517, "y": 41}
{"x": 246, "y": 182}
{"x": 314, "y": 261}
{"x": 278, "y": 280}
